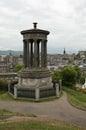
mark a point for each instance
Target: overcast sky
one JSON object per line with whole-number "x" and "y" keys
{"x": 65, "y": 19}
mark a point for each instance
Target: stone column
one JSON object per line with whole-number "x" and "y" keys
{"x": 31, "y": 53}
{"x": 35, "y": 53}
{"x": 42, "y": 53}
{"x": 45, "y": 53}
{"x": 25, "y": 52}
{"x": 28, "y": 54}
{"x": 38, "y": 56}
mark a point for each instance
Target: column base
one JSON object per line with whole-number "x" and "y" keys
{"x": 35, "y": 73}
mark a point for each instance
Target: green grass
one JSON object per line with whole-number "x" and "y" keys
{"x": 39, "y": 125}
{"x": 5, "y": 96}
{"x": 33, "y": 124}
{"x": 5, "y": 112}
{"x": 76, "y": 98}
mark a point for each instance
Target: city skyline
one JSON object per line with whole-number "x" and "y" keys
{"x": 64, "y": 19}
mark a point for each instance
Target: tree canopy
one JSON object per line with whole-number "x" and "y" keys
{"x": 69, "y": 76}
{"x": 56, "y": 76}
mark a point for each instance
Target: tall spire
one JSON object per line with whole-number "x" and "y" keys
{"x": 64, "y": 51}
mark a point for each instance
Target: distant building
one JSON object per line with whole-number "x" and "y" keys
{"x": 7, "y": 63}
{"x": 4, "y": 67}
{"x": 82, "y": 54}
{"x": 59, "y": 60}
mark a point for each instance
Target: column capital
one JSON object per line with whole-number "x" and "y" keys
{"x": 26, "y": 40}
{"x": 31, "y": 40}
{"x": 44, "y": 40}
{"x": 35, "y": 40}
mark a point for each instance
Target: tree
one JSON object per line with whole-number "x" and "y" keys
{"x": 18, "y": 67}
{"x": 82, "y": 78}
{"x": 56, "y": 76}
{"x": 77, "y": 69}
{"x": 69, "y": 76}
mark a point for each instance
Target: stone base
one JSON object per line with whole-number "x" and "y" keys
{"x": 35, "y": 93}
{"x": 35, "y": 83}
{"x": 35, "y": 78}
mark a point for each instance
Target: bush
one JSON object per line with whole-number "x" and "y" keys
{"x": 69, "y": 76}
{"x": 56, "y": 76}
{"x": 4, "y": 85}
{"x": 18, "y": 67}
{"x": 77, "y": 69}
{"x": 82, "y": 80}
{"x": 83, "y": 90}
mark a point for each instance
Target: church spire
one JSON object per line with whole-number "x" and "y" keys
{"x": 64, "y": 52}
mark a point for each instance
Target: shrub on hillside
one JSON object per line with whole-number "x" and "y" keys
{"x": 3, "y": 85}
{"x": 69, "y": 76}
{"x": 56, "y": 76}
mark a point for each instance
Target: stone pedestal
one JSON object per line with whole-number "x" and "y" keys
{"x": 35, "y": 78}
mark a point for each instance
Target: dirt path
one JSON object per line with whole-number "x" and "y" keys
{"x": 59, "y": 110}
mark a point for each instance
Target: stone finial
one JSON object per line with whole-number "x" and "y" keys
{"x": 35, "y": 25}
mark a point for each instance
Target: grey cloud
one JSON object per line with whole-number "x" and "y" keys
{"x": 64, "y": 19}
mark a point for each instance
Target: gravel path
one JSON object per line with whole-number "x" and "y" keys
{"x": 58, "y": 110}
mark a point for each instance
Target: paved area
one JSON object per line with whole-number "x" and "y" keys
{"x": 59, "y": 110}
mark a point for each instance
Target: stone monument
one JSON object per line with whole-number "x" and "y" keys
{"x": 35, "y": 74}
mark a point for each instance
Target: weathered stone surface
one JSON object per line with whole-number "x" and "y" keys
{"x": 33, "y": 73}
{"x": 35, "y": 83}
{"x": 35, "y": 36}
